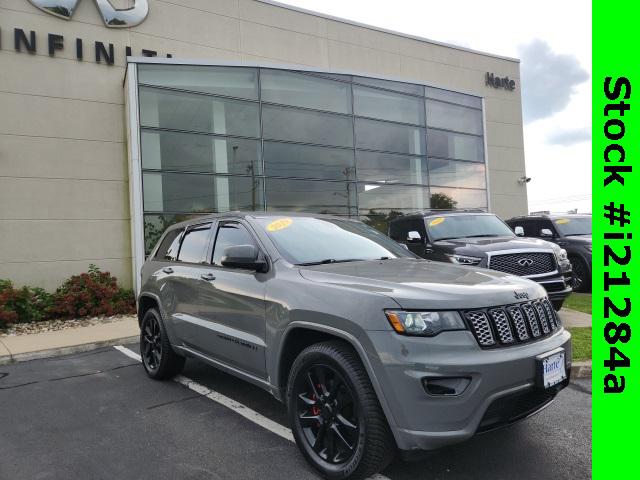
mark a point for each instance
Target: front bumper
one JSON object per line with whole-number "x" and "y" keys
{"x": 424, "y": 422}
{"x": 558, "y": 286}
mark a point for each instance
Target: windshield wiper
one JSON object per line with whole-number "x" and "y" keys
{"x": 330, "y": 260}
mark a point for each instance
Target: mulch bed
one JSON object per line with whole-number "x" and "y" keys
{"x": 58, "y": 324}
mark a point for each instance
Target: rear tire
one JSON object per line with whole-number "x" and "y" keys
{"x": 158, "y": 358}
{"x": 329, "y": 391}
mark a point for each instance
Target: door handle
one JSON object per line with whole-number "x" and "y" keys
{"x": 209, "y": 277}
{"x": 167, "y": 270}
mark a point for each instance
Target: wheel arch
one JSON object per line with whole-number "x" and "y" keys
{"x": 291, "y": 346}
{"x": 147, "y": 301}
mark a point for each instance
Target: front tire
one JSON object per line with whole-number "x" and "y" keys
{"x": 581, "y": 278}
{"x": 158, "y": 358}
{"x": 336, "y": 418}
{"x": 557, "y": 304}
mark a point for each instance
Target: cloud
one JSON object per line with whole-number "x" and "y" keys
{"x": 569, "y": 137}
{"x": 548, "y": 79}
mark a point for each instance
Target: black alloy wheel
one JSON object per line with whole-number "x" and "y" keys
{"x": 327, "y": 413}
{"x": 581, "y": 280}
{"x": 150, "y": 343}
{"x": 158, "y": 358}
{"x": 337, "y": 421}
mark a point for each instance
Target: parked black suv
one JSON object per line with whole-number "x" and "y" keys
{"x": 477, "y": 238}
{"x": 571, "y": 231}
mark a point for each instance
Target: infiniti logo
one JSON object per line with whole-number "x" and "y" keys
{"x": 113, "y": 17}
{"x": 525, "y": 262}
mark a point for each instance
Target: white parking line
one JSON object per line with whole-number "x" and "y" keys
{"x": 237, "y": 407}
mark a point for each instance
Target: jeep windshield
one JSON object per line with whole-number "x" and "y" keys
{"x": 314, "y": 241}
{"x": 573, "y": 225}
{"x": 466, "y": 226}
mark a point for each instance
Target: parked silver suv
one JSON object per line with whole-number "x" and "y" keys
{"x": 371, "y": 348}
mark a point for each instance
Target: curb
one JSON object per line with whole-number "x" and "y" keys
{"x": 55, "y": 352}
{"x": 581, "y": 369}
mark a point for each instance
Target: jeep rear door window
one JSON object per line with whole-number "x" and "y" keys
{"x": 304, "y": 240}
{"x": 194, "y": 244}
{"x": 168, "y": 249}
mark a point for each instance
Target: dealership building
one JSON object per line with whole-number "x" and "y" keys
{"x": 123, "y": 117}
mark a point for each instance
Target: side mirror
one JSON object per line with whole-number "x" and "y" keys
{"x": 545, "y": 232}
{"x": 414, "y": 237}
{"x": 244, "y": 257}
{"x": 519, "y": 231}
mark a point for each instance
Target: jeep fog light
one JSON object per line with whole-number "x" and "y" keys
{"x": 424, "y": 323}
{"x": 445, "y": 386}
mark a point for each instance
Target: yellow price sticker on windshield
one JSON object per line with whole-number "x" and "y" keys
{"x": 562, "y": 221}
{"x": 279, "y": 224}
{"x": 436, "y": 221}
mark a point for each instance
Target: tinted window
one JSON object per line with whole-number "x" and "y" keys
{"x": 453, "y": 117}
{"x": 453, "y": 97}
{"x": 230, "y": 234}
{"x": 573, "y": 225}
{"x": 305, "y": 161}
{"x": 462, "y": 226}
{"x": 189, "y": 152}
{"x": 168, "y": 249}
{"x": 389, "y": 137}
{"x": 198, "y": 113}
{"x": 399, "y": 230}
{"x": 305, "y": 91}
{"x": 391, "y": 168}
{"x": 376, "y": 198}
{"x": 306, "y": 240}
{"x": 458, "y": 146}
{"x": 449, "y": 173}
{"x": 229, "y": 81}
{"x": 281, "y": 123}
{"x": 448, "y": 198}
{"x": 182, "y": 192}
{"x": 194, "y": 244}
{"x": 391, "y": 85}
{"x": 337, "y": 198}
{"x": 370, "y": 102}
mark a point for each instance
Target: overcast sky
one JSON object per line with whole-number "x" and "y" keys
{"x": 553, "y": 41}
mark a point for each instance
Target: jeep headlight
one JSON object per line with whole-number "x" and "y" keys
{"x": 425, "y": 324}
{"x": 464, "y": 259}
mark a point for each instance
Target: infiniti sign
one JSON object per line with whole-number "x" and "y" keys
{"x": 525, "y": 262}
{"x": 113, "y": 17}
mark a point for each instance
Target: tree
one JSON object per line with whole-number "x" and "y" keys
{"x": 442, "y": 201}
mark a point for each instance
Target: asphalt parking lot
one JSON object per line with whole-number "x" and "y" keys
{"x": 96, "y": 415}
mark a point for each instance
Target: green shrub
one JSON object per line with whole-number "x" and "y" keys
{"x": 22, "y": 305}
{"x": 93, "y": 293}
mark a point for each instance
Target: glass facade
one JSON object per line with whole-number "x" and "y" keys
{"x": 215, "y": 139}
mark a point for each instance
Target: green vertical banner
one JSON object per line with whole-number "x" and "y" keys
{"x": 616, "y": 233}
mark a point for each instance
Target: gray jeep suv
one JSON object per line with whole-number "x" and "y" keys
{"x": 371, "y": 348}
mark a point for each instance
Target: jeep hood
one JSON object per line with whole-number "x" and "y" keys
{"x": 422, "y": 284}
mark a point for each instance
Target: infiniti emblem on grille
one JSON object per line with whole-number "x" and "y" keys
{"x": 525, "y": 262}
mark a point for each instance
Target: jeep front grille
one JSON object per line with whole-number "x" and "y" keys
{"x": 524, "y": 264}
{"x": 480, "y": 324}
{"x": 513, "y": 324}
